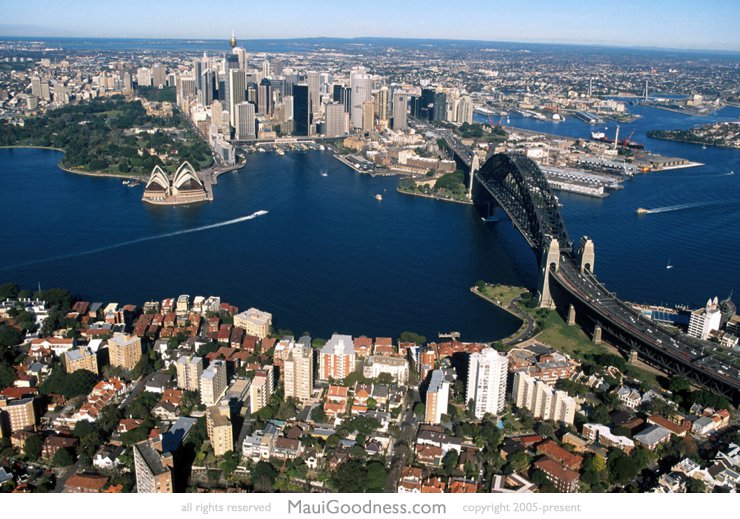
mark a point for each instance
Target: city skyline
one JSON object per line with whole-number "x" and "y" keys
{"x": 628, "y": 24}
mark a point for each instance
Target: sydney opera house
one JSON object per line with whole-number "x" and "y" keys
{"x": 184, "y": 188}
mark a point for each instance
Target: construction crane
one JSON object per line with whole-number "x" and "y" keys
{"x": 627, "y": 140}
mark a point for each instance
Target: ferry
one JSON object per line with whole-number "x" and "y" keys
{"x": 378, "y": 197}
{"x": 642, "y": 210}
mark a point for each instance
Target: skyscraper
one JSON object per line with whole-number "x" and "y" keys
{"x": 313, "y": 80}
{"x": 302, "y": 110}
{"x": 362, "y": 90}
{"x": 487, "y": 382}
{"x": 381, "y": 104}
{"x": 124, "y": 351}
{"x": 400, "y": 103}
{"x": 152, "y": 475}
{"x": 440, "y": 107}
{"x": 237, "y": 88}
{"x": 264, "y": 97}
{"x": 159, "y": 76}
{"x": 337, "y": 358}
{"x": 245, "y": 127}
{"x": 368, "y": 115}
{"x": 220, "y": 430}
{"x": 437, "y": 397}
{"x": 337, "y": 120}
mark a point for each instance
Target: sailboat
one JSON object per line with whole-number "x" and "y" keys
{"x": 669, "y": 266}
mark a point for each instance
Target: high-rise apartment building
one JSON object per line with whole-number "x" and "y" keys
{"x": 81, "y": 358}
{"x": 261, "y": 389}
{"x": 153, "y": 475}
{"x": 213, "y": 383}
{"x": 337, "y": 358}
{"x": 542, "y": 400}
{"x": 189, "y": 369}
{"x": 705, "y": 320}
{"x": 437, "y": 397}
{"x": 254, "y": 322}
{"x": 298, "y": 372}
{"x": 124, "y": 351}
{"x": 368, "y": 115}
{"x": 381, "y": 104}
{"x": 486, "y": 385}
{"x": 220, "y": 429}
{"x": 17, "y": 415}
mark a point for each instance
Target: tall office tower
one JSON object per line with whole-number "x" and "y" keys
{"x": 206, "y": 94}
{"x": 128, "y": 85}
{"x": 199, "y": 65}
{"x": 36, "y": 86}
{"x": 362, "y": 90}
{"x": 298, "y": 372}
{"x": 152, "y": 475}
{"x": 437, "y": 397}
{"x": 464, "y": 111}
{"x": 440, "y": 107}
{"x": 302, "y": 110}
{"x": 245, "y": 127}
{"x": 326, "y": 80}
{"x": 264, "y": 97}
{"x": 368, "y": 115}
{"x": 314, "y": 91}
{"x": 487, "y": 382}
{"x": 261, "y": 389}
{"x": 337, "y": 120}
{"x": 213, "y": 383}
{"x": 237, "y": 92}
{"x": 400, "y": 102}
{"x": 189, "y": 369}
{"x": 705, "y": 320}
{"x": 159, "y": 76}
{"x": 144, "y": 77}
{"x": 124, "y": 351}
{"x": 266, "y": 70}
{"x": 186, "y": 90}
{"x": 220, "y": 430}
{"x": 288, "y": 108}
{"x": 337, "y": 358}
{"x": 426, "y": 104}
{"x": 336, "y": 93}
{"x": 216, "y": 114}
{"x": 381, "y": 104}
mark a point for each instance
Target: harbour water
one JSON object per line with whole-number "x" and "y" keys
{"x": 329, "y": 257}
{"x": 697, "y": 226}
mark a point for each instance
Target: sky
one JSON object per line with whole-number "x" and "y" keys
{"x": 677, "y": 24}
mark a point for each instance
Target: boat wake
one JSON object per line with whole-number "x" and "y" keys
{"x": 679, "y": 207}
{"x": 140, "y": 240}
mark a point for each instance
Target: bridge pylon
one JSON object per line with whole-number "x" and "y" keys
{"x": 586, "y": 255}
{"x": 474, "y": 167}
{"x": 550, "y": 259}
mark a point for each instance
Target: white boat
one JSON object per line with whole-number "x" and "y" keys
{"x": 669, "y": 266}
{"x": 378, "y": 197}
{"x": 324, "y": 174}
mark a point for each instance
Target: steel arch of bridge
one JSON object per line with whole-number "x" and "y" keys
{"x": 520, "y": 188}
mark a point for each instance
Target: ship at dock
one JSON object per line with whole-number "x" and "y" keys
{"x": 626, "y": 143}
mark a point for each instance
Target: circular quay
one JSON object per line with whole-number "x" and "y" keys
{"x": 319, "y": 259}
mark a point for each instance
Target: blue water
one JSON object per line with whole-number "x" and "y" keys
{"x": 327, "y": 257}
{"x": 701, "y": 239}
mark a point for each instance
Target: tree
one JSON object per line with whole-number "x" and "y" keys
{"x": 9, "y": 336}
{"x": 263, "y": 477}
{"x": 63, "y": 458}
{"x": 77, "y": 383}
{"x": 350, "y": 476}
{"x": 376, "y": 476}
{"x": 516, "y": 462}
{"x": 229, "y": 463}
{"x": 318, "y": 415}
{"x": 33, "y": 447}
{"x": 679, "y": 384}
{"x": 450, "y": 461}
{"x": 419, "y": 409}
{"x": 9, "y": 291}
{"x": 622, "y": 469}
{"x": 412, "y": 337}
{"x": 7, "y": 375}
{"x": 695, "y": 486}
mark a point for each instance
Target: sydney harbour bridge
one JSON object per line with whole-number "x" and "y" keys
{"x": 516, "y": 185}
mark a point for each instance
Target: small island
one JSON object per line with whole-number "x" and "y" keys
{"x": 115, "y": 136}
{"x": 724, "y": 134}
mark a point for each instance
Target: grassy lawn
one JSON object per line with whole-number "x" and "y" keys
{"x": 568, "y": 339}
{"x": 502, "y": 294}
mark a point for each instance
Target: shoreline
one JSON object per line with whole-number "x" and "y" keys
{"x": 76, "y": 171}
{"x": 434, "y": 197}
{"x": 725, "y": 146}
{"x": 517, "y": 336}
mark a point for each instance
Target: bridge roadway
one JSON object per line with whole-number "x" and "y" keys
{"x": 686, "y": 352}
{"x": 703, "y": 362}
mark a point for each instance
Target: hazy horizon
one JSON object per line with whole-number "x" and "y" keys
{"x": 661, "y": 24}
